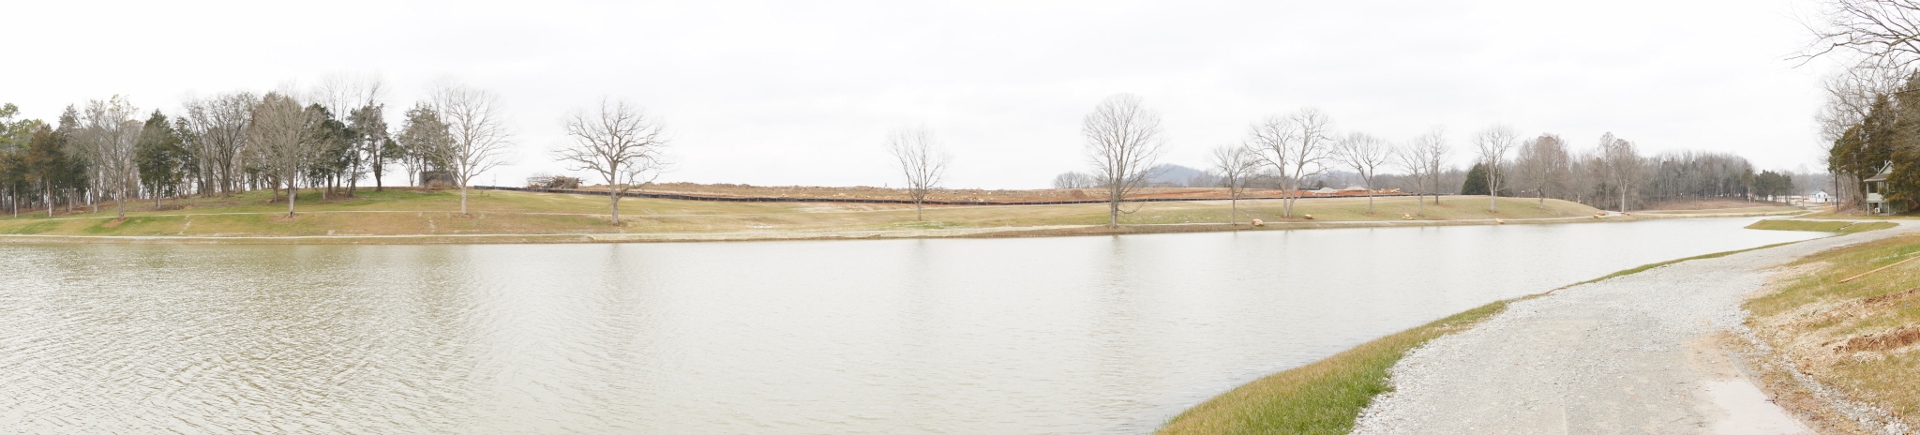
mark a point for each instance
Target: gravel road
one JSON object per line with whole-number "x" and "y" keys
{"x": 1635, "y": 354}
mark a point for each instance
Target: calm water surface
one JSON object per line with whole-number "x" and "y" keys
{"x": 1044, "y": 335}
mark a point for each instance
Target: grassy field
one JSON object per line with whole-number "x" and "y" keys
{"x": 1860, "y": 336}
{"x": 1824, "y": 226}
{"x": 410, "y": 212}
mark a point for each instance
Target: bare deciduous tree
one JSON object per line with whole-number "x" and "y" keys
{"x": 1364, "y": 153}
{"x": 1123, "y": 140}
{"x": 921, "y": 159}
{"x": 1235, "y": 165}
{"x": 1882, "y": 33}
{"x": 1622, "y": 166}
{"x": 1073, "y": 180}
{"x": 108, "y": 133}
{"x": 281, "y": 140}
{"x": 1543, "y": 164}
{"x": 217, "y": 136}
{"x": 618, "y": 141}
{"x": 1494, "y": 143}
{"x": 1425, "y": 160}
{"x": 1294, "y": 146}
{"x": 342, "y": 93}
{"x": 479, "y": 134}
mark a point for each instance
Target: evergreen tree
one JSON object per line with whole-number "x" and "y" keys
{"x": 161, "y": 157}
{"x": 1476, "y": 183}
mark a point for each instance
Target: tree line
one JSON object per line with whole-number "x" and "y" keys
{"x": 335, "y": 135}
{"x": 328, "y": 139}
{"x": 1292, "y": 152}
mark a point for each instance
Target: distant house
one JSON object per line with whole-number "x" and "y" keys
{"x": 1876, "y": 193}
{"x": 1820, "y": 197}
{"x": 1324, "y": 191}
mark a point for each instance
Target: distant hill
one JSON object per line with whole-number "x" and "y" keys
{"x": 1168, "y": 174}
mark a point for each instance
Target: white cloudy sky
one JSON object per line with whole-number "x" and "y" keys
{"x": 780, "y": 93}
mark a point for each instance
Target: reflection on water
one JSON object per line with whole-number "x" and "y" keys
{"x": 1048, "y": 335}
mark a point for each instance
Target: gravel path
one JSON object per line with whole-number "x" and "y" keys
{"x": 1635, "y": 354}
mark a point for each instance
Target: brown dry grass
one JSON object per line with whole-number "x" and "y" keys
{"x": 409, "y": 212}
{"x": 1862, "y": 336}
{"x": 1710, "y": 204}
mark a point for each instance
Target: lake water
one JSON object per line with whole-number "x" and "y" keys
{"x": 1000, "y": 336}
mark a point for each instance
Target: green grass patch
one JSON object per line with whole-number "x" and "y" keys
{"x": 1319, "y": 398}
{"x": 1650, "y": 266}
{"x": 1843, "y": 227}
{"x": 37, "y": 227}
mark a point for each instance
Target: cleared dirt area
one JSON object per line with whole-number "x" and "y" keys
{"x": 963, "y": 195}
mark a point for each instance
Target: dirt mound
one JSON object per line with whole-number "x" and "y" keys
{"x": 963, "y": 195}
{"x": 1889, "y": 340}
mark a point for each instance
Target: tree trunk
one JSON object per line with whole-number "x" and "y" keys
{"x": 1369, "y": 196}
{"x": 1493, "y": 196}
{"x": 293, "y": 193}
{"x": 463, "y": 198}
{"x": 613, "y": 196}
{"x": 918, "y": 214}
{"x": 376, "y": 181}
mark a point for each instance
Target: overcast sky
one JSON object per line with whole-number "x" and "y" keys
{"x": 786, "y": 93}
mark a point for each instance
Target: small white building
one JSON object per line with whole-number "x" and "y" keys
{"x": 1820, "y": 197}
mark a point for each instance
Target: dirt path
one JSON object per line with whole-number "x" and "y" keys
{"x": 1636, "y": 354}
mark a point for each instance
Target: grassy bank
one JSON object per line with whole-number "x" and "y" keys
{"x": 1825, "y": 226}
{"x": 1325, "y": 397}
{"x": 1861, "y": 336}
{"x": 1828, "y": 213}
{"x": 1319, "y": 398}
{"x": 400, "y": 212}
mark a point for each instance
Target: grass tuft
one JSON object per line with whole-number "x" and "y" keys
{"x": 1843, "y": 227}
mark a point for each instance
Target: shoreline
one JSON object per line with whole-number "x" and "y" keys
{"x": 766, "y": 236}
{"x": 1229, "y": 408}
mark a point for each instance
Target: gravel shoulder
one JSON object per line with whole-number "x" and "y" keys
{"x": 1642, "y": 353}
